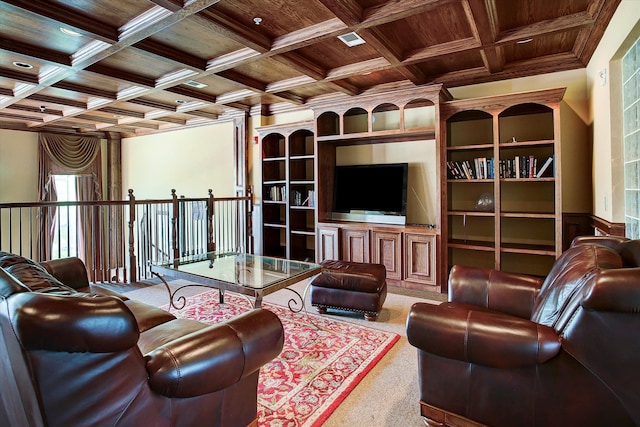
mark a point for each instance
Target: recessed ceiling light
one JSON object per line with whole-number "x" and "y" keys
{"x": 70, "y": 32}
{"x": 22, "y": 64}
{"x": 351, "y": 39}
{"x": 257, "y": 20}
{"x": 524, "y": 41}
{"x": 181, "y": 101}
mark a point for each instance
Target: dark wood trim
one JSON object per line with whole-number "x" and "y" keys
{"x": 574, "y": 225}
{"x": 606, "y": 227}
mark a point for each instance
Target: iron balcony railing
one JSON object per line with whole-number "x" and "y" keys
{"x": 118, "y": 240}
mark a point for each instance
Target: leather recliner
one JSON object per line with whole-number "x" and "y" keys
{"x": 71, "y": 358}
{"x": 514, "y": 350}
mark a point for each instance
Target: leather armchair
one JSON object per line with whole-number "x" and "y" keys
{"x": 71, "y": 358}
{"x": 509, "y": 349}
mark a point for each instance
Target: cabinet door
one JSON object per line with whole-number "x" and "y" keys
{"x": 355, "y": 245}
{"x": 420, "y": 258}
{"x": 328, "y": 244}
{"x": 387, "y": 250}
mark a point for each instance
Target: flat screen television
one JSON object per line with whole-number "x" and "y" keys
{"x": 371, "y": 193}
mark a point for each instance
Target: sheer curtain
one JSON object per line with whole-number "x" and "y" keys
{"x": 78, "y": 156}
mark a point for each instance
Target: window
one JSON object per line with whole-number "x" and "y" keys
{"x": 631, "y": 134}
{"x": 65, "y": 233}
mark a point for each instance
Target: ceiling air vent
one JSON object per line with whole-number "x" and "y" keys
{"x": 194, "y": 83}
{"x": 351, "y": 39}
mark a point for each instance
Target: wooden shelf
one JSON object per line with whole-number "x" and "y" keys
{"x": 528, "y": 249}
{"x": 395, "y": 135}
{"x": 475, "y": 245}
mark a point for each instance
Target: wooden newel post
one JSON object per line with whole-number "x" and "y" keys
{"x": 211, "y": 243}
{"x": 133, "y": 263}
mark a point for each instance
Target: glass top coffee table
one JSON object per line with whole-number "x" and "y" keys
{"x": 246, "y": 274}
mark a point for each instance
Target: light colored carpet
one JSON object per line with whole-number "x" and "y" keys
{"x": 388, "y": 394}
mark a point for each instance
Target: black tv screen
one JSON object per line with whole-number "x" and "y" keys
{"x": 377, "y": 189}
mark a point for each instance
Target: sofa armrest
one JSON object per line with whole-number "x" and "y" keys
{"x": 73, "y": 323}
{"x": 70, "y": 271}
{"x": 510, "y": 293}
{"x": 215, "y": 357}
{"x": 615, "y": 290}
{"x": 485, "y": 338}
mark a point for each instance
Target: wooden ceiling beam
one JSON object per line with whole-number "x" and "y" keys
{"x": 69, "y": 17}
{"x": 19, "y": 76}
{"x": 550, "y": 26}
{"x": 57, "y": 100}
{"x": 393, "y": 10}
{"x": 172, "y": 5}
{"x": 192, "y": 93}
{"x": 73, "y": 87}
{"x": 175, "y": 55}
{"x": 126, "y": 76}
{"x": 485, "y": 12}
{"x": 348, "y": 11}
{"x": 122, "y": 112}
{"x": 37, "y": 52}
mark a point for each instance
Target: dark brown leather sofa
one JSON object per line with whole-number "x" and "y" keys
{"x": 72, "y": 358}
{"x": 513, "y": 350}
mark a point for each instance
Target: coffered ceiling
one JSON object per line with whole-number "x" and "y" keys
{"x": 144, "y": 66}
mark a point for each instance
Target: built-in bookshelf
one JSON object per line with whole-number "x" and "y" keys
{"x": 503, "y": 190}
{"x": 288, "y": 191}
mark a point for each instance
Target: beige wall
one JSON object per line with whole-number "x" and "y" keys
{"x": 18, "y": 166}
{"x": 191, "y": 161}
{"x": 605, "y": 111}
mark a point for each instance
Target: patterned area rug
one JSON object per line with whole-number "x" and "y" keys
{"x": 323, "y": 359}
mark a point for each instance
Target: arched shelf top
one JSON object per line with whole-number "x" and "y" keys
{"x": 356, "y": 120}
{"x": 301, "y": 143}
{"x": 526, "y": 109}
{"x": 384, "y": 107}
{"x": 418, "y": 103}
{"x": 385, "y": 116}
{"x": 301, "y": 133}
{"x": 469, "y": 115}
{"x": 328, "y": 123}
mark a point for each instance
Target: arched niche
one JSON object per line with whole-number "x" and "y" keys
{"x": 471, "y": 127}
{"x": 301, "y": 143}
{"x": 515, "y": 123}
{"x": 385, "y": 117}
{"x": 356, "y": 120}
{"x": 273, "y": 145}
{"x": 328, "y": 123}
{"x": 419, "y": 113}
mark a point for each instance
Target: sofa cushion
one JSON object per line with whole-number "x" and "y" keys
{"x": 32, "y": 275}
{"x": 570, "y": 273}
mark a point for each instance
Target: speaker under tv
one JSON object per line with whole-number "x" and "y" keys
{"x": 371, "y": 193}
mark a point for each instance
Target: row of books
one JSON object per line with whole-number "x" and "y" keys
{"x": 309, "y": 201}
{"x": 276, "y": 193}
{"x": 478, "y": 168}
{"x": 517, "y": 167}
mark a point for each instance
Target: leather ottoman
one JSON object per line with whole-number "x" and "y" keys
{"x": 353, "y": 286}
